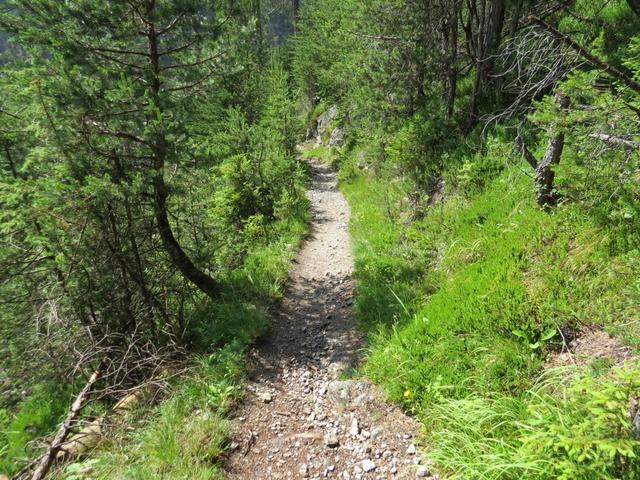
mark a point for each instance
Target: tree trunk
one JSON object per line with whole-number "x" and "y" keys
{"x": 489, "y": 35}
{"x": 635, "y": 6}
{"x": 452, "y": 71}
{"x": 159, "y": 149}
{"x": 544, "y": 173}
{"x": 257, "y": 7}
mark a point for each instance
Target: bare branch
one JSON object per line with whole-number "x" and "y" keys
{"x": 583, "y": 52}
{"x": 616, "y": 141}
{"x": 177, "y": 49}
{"x": 194, "y": 64}
{"x": 173, "y": 23}
{"x": 521, "y": 148}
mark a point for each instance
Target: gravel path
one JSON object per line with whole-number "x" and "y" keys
{"x": 298, "y": 419}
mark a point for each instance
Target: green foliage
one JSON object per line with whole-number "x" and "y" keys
{"x": 99, "y": 142}
{"x": 327, "y": 155}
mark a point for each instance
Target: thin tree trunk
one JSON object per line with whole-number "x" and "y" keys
{"x": 544, "y": 173}
{"x": 452, "y": 73}
{"x": 257, "y": 6}
{"x": 489, "y": 35}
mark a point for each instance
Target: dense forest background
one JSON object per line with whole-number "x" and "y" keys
{"x": 152, "y": 197}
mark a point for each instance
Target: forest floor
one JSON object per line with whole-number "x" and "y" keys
{"x": 301, "y": 417}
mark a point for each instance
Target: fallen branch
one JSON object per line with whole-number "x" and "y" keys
{"x": 89, "y": 436}
{"x": 46, "y": 460}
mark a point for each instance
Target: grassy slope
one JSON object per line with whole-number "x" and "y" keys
{"x": 456, "y": 305}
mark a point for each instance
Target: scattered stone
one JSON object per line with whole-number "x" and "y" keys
{"x": 354, "y": 429}
{"x": 304, "y": 469}
{"x": 266, "y": 397}
{"x": 376, "y": 432}
{"x": 340, "y": 390}
{"x": 368, "y": 465}
{"x": 331, "y": 440}
{"x": 411, "y": 450}
{"x": 422, "y": 472}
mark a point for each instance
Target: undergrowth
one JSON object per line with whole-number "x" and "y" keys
{"x": 185, "y": 435}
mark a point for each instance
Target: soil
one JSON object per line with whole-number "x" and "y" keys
{"x": 591, "y": 344}
{"x": 300, "y": 417}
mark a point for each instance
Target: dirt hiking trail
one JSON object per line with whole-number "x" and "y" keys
{"x": 298, "y": 419}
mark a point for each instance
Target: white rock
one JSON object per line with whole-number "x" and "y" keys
{"x": 422, "y": 472}
{"x": 411, "y": 450}
{"x": 368, "y": 465}
{"x": 354, "y": 429}
{"x": 266, "y": 397}
{"x": 331, "y": 440}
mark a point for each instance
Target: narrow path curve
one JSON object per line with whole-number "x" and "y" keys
{"x": 298, "y": 419}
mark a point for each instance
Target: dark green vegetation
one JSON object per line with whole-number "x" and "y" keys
{"x": 150, "y": 204}
{"x": 475, "y": 263}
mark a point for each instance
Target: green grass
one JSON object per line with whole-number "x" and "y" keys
{"x": 568, "y": 426}
{"x": 38, "y": 415}
{"x": 462, "y": 306}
